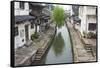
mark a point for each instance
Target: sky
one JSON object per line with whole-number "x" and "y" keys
{"x": 66, "y": 7}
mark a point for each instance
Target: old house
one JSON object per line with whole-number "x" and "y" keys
{"x": 42, "y": 14}
{"x": 88, "y": 15}
{"x": 74, "y": 15}
{"x": 45, "y": 18}
{"x": 36, "y": 10}
{"x": 23, "y": 24}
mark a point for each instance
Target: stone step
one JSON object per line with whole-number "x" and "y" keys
{"x": 37, "y": 59}
{"x": 88, "y": 50}
{"x": 39, "y": 52}
{"x": 38, "y": 55}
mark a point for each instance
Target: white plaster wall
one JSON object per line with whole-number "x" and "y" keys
{"x": 91, "y": 10}
{"x": 71, "y": 12}
{"x": 87, "y": 15}
{"x": 37, "y": 28}
{"x": 21, "y": 27}
{"x": 16, "y": 8}
{"x": 91, "y": 16}
{"x": 91, "y": 19}
{"x": 21, "y": 36}
{"x": 82, "y": 16}
{"x": 31, "y": 31}
{"x": 19, "y": 11}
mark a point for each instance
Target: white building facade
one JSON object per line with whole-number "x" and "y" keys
{"x": 88, "y": 15}
{"x": 24, "y": 27}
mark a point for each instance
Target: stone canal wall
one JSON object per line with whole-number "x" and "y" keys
{"x": 49, "y": 35}
{"x": 42, "y": 51}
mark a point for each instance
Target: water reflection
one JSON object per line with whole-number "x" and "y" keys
{"x": 60, "y": 50}
{"x": 58, "y": 44}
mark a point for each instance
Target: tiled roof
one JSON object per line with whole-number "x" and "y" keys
{"x": 23, "y": 18}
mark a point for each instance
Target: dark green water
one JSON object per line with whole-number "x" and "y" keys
{"x": 60, "y": 50}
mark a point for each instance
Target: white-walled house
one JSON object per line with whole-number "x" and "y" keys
{"x": 87, "y": 14}
{"x": 24, "y": 24}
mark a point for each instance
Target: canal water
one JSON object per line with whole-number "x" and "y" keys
{"x": 60, "y": 50}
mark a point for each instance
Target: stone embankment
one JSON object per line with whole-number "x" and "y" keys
{"x": 80, "y": 54}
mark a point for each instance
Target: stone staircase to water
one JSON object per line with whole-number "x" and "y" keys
{"x": 39, "y": 54}
{"x": 43, "y": 45}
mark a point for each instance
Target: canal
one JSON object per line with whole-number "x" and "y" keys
{"x": 60, "y": 50}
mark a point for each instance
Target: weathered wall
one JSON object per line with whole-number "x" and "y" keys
{"x": 21, "y": 36}
{"x": 87, "y": 15}
{"x": 19, "y": 11}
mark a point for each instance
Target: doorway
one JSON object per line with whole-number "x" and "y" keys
{"x": 26, "y": 32}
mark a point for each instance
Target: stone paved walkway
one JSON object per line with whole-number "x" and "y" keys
{"x": 80, "y": 54}
{"x": 22, "y": 55}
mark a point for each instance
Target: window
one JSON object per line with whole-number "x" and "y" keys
{"x": 22, "y": 5}
{"x": 92, "y": 26}
{"x": 16, "y": 31}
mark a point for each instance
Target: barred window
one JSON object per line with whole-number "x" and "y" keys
{"x": 92, "y": 26}
{"x": 16, "y": 31}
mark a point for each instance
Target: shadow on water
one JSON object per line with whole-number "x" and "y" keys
{"x": 57, "y": 47}
{"x": 58, "y": 44}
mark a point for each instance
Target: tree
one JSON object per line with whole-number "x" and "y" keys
{"x": 58, "y": 16}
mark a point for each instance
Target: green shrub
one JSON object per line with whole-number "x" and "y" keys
{"x": 91, "y": 35}
{"x": 84, "y": 34}
{"x": 34, "y": 36}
